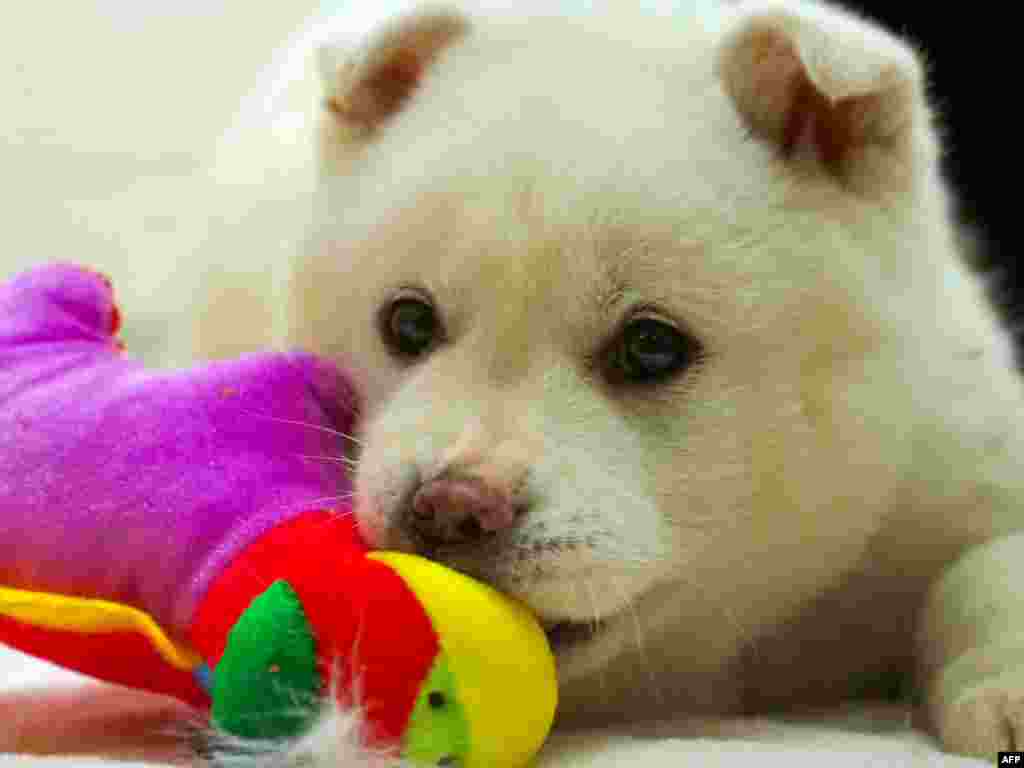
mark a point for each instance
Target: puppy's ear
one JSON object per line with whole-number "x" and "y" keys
{"x": 364, "y": 88}
{"x": 816, "y": 81}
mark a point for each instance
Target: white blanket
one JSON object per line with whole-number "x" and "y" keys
{"x": 855, "y": 739}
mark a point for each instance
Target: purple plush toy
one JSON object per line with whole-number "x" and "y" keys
{"x": 137, "y": 486}
{"x": 190, "y": 532}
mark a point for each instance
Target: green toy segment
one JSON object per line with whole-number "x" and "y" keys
{"x": 267, "y": 684}
{"x": 438, "y": 727}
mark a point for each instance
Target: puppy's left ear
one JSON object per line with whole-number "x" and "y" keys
{"x": 820, "y": 83}
{"x": 366, "y": 87}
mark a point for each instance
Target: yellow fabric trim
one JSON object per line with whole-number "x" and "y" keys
{"x": 86, "y": 616}
{"x": 502, "y": 665}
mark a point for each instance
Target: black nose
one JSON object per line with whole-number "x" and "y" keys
{"x": 459, "y": 511}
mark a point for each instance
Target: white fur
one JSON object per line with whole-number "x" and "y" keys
{"x": 852, "y": 428}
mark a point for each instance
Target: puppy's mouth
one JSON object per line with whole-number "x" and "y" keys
{"x": 567, "y": 635}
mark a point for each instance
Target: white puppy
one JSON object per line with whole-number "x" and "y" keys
{"x": 664, "y": 328}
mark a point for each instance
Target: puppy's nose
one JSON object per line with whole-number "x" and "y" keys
{"x": 459, "y": 511}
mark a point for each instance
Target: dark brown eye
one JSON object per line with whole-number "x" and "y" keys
{"x": 410, "y": 327}
{"x": 649, "y": 351}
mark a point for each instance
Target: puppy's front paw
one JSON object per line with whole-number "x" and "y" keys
{"x": 985, "y": 718}
{"x": 970, "y": 650}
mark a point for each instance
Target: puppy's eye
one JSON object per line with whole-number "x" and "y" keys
{"x": 410, "y": 326}
{"x": 649, "y": 350}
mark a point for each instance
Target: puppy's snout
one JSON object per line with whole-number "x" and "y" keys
{"x": 459, "y": 510}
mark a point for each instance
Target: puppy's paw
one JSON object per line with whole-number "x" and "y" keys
{"x": 970, "y": 650}
{"x": 985, "y": 718}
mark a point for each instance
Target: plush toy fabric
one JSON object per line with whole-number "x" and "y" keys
{"x": 187, "y": 532}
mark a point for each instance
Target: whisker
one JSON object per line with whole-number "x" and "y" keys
{"x": 307, "y": 425}
{"x": 639, "y": 639}
{"x": 315, "y": 502}
{"x": 602, "y": 679}
{"x": 352, "y": 463}
{"x": 705, "y": 538}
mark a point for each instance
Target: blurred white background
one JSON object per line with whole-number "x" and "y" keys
{"x": 110, "y": 110}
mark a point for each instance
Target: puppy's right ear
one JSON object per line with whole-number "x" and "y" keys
{"x": 813, "y": 79}
{"x": 364, "y": 88}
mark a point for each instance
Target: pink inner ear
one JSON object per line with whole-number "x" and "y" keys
{"x": 782, "y": 104}
{"x": 383, "y": 92}
{"x": 396, "y": 79}
{"x": 814, "y": 122}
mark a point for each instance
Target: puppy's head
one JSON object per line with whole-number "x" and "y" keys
{"x": 623, "y": 294}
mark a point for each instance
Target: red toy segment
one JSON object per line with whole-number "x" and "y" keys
{"x": 393, "y": 648}
{"x": 125, "y": 658}
{"x": 299, "y": 545}
{"x": 373, "y": 637}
